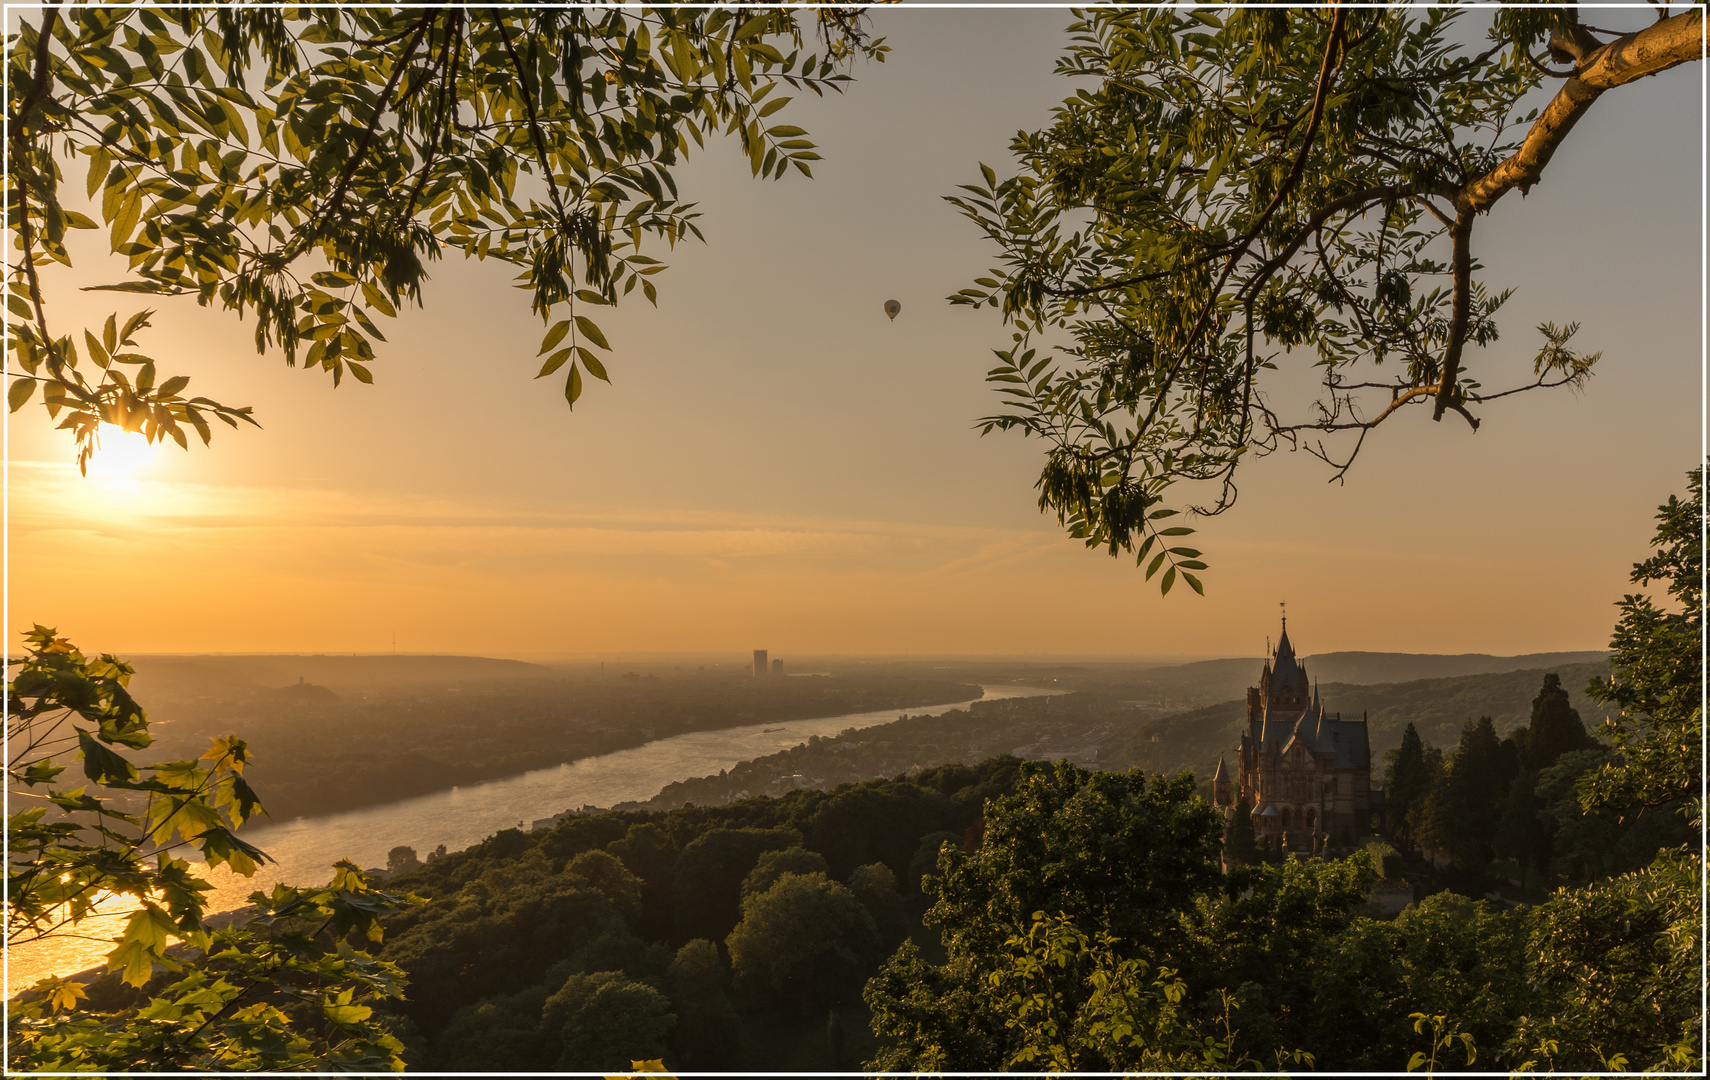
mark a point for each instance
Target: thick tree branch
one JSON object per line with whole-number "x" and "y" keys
{"x": 1460, "y": 234}
{"x": 1658, "y": 47}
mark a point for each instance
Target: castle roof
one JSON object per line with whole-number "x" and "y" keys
{"x": 1222, "y": 774}
{"x": 1287, "y": 676}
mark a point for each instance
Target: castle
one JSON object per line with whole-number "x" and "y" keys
{"x": 1304, "y": 774}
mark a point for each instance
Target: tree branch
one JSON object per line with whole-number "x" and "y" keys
{"x": 1460, "y": 234}
{"x": 336, "y": 202}
{"x": 533, "y": 119}
{"x": 42, "y": 76}
{"x": 1656, "y": 48}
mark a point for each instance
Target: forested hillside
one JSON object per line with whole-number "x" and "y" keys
{"x": 716, "y": 938}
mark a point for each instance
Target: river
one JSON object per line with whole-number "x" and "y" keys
{"x": 304, "y": 850}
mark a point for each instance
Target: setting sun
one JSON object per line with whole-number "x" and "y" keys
{"x": 121, "y": 454}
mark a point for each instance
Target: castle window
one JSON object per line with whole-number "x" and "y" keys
{"x": 1285, "y": 818}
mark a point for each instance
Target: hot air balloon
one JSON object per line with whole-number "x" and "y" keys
{"x": 891, "y": 309}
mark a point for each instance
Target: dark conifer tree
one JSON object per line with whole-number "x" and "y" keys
{"x": 1555, "y": 728}
{"x": 1406, "y": 783}
{"x": 1462, "y": 811}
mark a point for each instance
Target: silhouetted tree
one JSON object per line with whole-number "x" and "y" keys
{"x": 876, "y": 887}
{"x": 1406, "y": 783}
{"x": 1462, "y": 811}
{"x": 709, "y": 873}
{"x": 401, "y": 860}
{"x": 1239, "y": 847}
{"x": 1555, "y": 728}
{"x": 708, "y": 1031}
{"x": 775, "y": 864}
{"x": 800, "y": 941}
{"x": 606, "y": 1020}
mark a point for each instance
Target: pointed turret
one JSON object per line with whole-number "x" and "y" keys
{"x": 1286, "y": 687}
{"x": 1220, "y": 793}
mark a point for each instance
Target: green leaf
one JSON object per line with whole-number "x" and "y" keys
{"x": 553, "y": 337}
{"x": 347, "y": 1015}
{"x": 221, "y": 845}
{"x": 592, "y": 363}
{"x": 153, "y": 287}
{"x": 101, "y": 764}
{"x": 20, "y": 392}
{"x": 555, "y": 361}
{"x": 143, "y": 943}
{"x": 591, "y": 332}
{"x": 573, "y": 386}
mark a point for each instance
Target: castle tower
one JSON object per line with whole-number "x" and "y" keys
{"x": 1305, "y": 772}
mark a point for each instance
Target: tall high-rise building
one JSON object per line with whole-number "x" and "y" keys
{"x": 778, "y": 667}
{"x": 760, "y": 663}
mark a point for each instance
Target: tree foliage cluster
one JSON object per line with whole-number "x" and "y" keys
{"x": 1231, "y": 192}
{"x": 1271, "y": 966}
{"x": 302, "y": 166}
{"x": 294, "y": 986}
{"x": 1055, "y": 961}
{"x": 1551, "y": 797}
{"x": 696, "y": 926}
{"x": 1517, "y": 799}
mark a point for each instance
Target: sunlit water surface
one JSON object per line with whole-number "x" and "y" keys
{"x": 305, "y": 849}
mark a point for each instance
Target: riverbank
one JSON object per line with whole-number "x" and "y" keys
{"x": 305, "y": 849}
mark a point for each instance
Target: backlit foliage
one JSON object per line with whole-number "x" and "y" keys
{"x": 301, "y": 167}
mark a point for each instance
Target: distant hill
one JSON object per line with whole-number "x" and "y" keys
{"x": 1207, "y": 681}
{"x": 177, "y": 677}
{"x": 1437, "y": 707}
{"x": 1378, "y": 667}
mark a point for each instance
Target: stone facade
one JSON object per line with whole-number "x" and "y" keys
{"x": 1304, "y": 773}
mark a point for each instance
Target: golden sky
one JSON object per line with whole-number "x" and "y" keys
{"x": 777, "y": 465}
